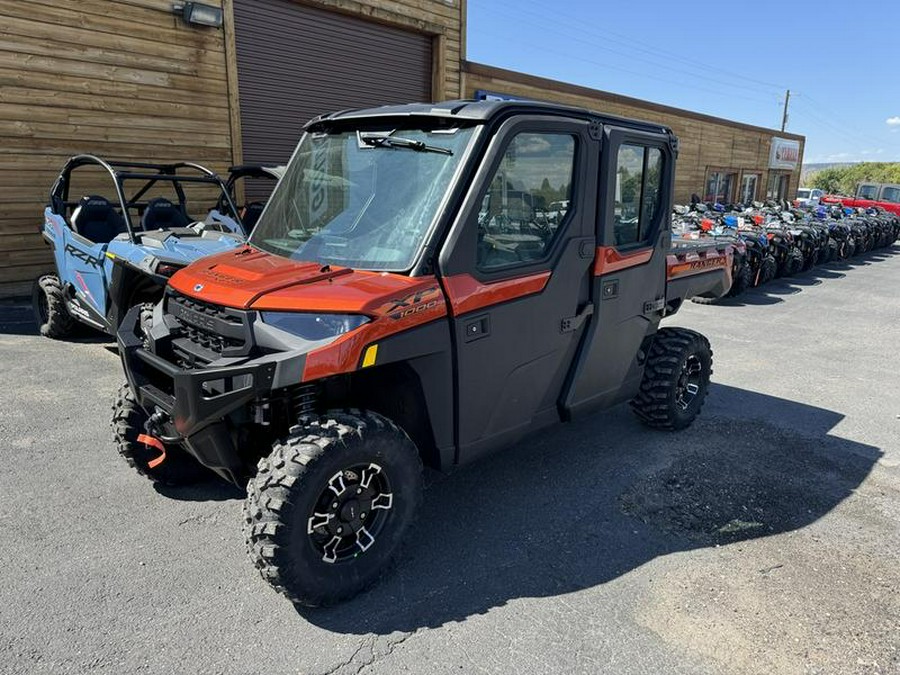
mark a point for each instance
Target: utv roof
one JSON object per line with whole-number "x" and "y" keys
{"x": 480, "y": 111}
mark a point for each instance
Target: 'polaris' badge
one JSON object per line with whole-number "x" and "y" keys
{"x": 198, "y": 288}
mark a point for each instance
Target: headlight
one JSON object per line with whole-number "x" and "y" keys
{"x": 314, "y": 326}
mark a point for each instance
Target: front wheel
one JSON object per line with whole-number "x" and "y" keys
{"x": 165, "y": 464}
{"x": 329, "y": 507}
{"x": 676, "y": 379}
{"x": 49, "y": 304}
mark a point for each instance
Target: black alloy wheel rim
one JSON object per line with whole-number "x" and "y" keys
{"x": 689, "y": 381}
{"x": 350, "y": 513}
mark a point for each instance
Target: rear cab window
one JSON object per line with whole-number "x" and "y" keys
{"x": 638, "y": 195}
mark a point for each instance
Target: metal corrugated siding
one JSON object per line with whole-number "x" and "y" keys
{"x": 296, "y": 62}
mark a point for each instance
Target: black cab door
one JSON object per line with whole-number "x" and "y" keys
{"x": 628, "y": 284}
{"x": 517, "y": 270}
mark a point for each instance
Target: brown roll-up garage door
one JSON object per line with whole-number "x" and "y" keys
{"x": 296, "y": 62}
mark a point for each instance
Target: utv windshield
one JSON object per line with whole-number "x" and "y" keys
{"x": 362, "y": 199}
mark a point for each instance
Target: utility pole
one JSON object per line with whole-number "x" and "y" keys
{"x": 784, "y": 118}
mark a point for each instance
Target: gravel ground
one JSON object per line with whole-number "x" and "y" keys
{"x": 764, "y": 539}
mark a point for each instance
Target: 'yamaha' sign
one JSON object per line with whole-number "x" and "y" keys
{"x": 785, "y": 154}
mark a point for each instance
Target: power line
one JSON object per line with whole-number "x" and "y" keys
{"x": 655, "y": 54}
{"x": 817, "y": 114}
{"x": 633, "y": 72}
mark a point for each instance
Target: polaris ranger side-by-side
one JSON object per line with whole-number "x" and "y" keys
{"x": 405, "y": 300}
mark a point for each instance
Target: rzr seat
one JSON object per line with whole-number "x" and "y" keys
{"x": 250, "y": 214}
{"x": 162, "y": 214}
{"x": 95, "y": 218}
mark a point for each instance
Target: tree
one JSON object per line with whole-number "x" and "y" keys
{"x": 843, "y": 179}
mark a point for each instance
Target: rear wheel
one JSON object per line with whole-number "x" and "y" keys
{"x": 49, "y": 304}
{"x": 767, "y": 270}
{"x": 792, "y": 264}
{"x": 327, "y": 511}
{"x": 742, "y": 280}
{"x": 676, "y": 379}
{"x": 168, "y": 464}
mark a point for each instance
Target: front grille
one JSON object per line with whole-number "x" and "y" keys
{"x": 205, "y": 331}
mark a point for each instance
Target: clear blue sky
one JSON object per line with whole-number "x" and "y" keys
{"x": 841, "y": 60}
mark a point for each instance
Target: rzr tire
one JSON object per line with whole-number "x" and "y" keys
{"x": 291, "y": 489}
{"x": 49, "y": 304}
{"x": 128, "y": 419}
{"x": 665, "y": 400}
{"x": 146, "y": 322}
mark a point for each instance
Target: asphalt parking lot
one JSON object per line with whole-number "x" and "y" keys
{"x": 764, "y": 539}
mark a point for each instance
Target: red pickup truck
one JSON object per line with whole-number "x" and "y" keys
{"x": 884, "y": 195}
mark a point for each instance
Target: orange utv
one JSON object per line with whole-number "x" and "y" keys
{"x": 427, "y": 284}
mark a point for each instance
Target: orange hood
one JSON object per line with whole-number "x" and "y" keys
{"x": 247, "y": 278}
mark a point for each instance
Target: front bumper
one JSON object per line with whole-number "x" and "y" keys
{"x": 190, "y": 406}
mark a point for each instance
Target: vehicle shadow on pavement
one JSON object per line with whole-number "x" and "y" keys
{"x": 18, "y": 319}
{"x": 211, "y": 490}
{"x": 773, "y": 292}
{"x": 586, "y": 503}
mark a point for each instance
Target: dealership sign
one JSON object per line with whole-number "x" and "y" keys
{"x": 785, "y": 154}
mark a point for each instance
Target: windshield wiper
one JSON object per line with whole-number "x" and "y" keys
{"x": 399, "y": 142}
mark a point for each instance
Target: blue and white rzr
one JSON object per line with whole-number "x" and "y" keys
{"x": 113, "y": 254}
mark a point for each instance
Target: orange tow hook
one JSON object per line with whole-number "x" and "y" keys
{"x": 151, "y": 442}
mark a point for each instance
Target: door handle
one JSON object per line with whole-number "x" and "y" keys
{"x": 477, "y": 328}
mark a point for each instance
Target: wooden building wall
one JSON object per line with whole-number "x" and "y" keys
{"x": 127, "y": 79}
{"x": 124, "y": 79}
{"x": 706, "y": 142}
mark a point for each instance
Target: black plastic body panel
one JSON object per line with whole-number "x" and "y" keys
{"x": 512, "y": 358}
{"x": 428, "y": 351}
{"x": 610, "y": 362}
{"x": 711, "y": 283}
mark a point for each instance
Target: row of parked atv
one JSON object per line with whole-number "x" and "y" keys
{"x": 775, "y": 240}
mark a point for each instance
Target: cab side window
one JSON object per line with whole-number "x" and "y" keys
{"x": 890, "y": 194}
{"x": 527, "y": 201}
{"x": 639, "y": 171}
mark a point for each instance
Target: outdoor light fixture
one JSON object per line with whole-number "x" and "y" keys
{"x": 199, "y": 14}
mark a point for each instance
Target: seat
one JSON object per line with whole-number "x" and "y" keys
{"x": 250, "y": 214}
{"x": 162, "y": 214}
{"x": 95, "y": 218}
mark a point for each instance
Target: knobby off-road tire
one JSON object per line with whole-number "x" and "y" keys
{"x": 145, "y": 322}
{"x": 676, "y": 379}
{"x": 307, "y": 488}
{"x": 49, "y": 304}
{"x": 128, "y": 419}
{"x": 793, "y": 263}
{"x": 767, "y": 270}
{"x": 811, "y": 260}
